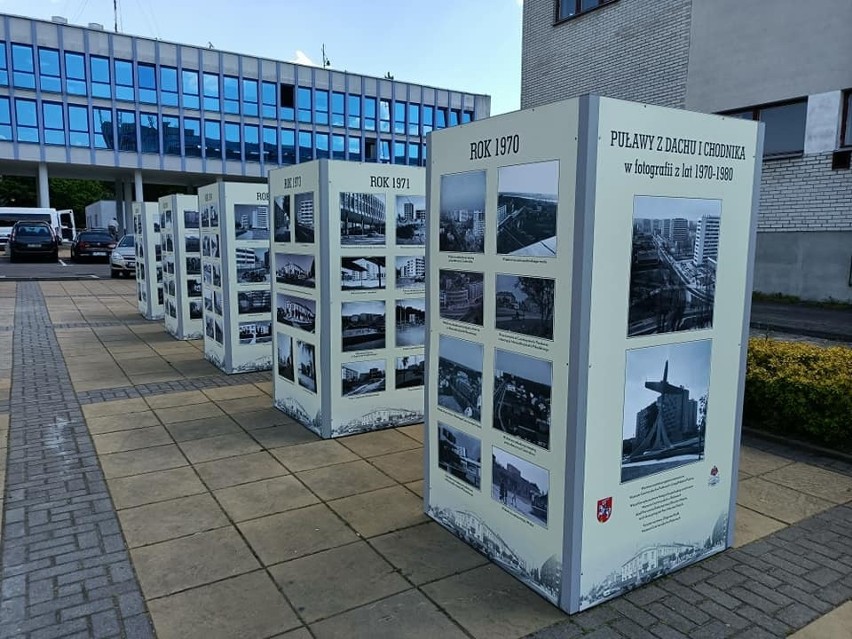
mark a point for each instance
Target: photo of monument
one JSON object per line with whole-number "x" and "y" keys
{"x": 527, "y": 199}
{"x": 462, "y": 214}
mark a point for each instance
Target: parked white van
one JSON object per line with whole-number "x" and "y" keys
{"x": 61, "y": 221}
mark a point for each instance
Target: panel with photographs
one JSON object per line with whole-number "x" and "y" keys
{"x": 520, "y": 485}
{"x": 460, "y": 454}
{"x": 252, "y": 265}
{"x": 363, "y": 273}
{"x": 210, "y": 216}
{"x": 363, "y": 377}
{"x": 285, "y": 365}
{"x": 673, "y": 264}
{"x": 665, "y": 407}
{"x": 411, "y": 220}
{"x": 296, "y": 269}
{"x": 281, "y": 219}
{"x": 527, "y": 199}
{"x": 303, "y": 217}
{"x": 411, "y": 321}
{"x": 410, "y": 271}
{"x": 462, "y": 213}
{"x": 461, "y": 296}
{"x": 363, "y": 325}
{"x": 522, "y": 396}
{"x": 525, "y": 305}
{"x": 410, "y": 371}
{"x": 460, "y": 376}
{"x": 362, "y": 219}
{"x": 298, "y": 312}
{"x": 251, "y": 222}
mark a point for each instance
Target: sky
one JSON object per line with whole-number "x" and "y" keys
{"x": 461, "y": 351}
{"x": 541, "y": 178}
{"x": 654, "y": 207}
{"x": 530, "y": 368}
{"x": 463, "y": 191}
{"x": 472, "y": 46}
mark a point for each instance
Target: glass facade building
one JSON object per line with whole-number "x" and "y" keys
{"x": 73, "y": 96}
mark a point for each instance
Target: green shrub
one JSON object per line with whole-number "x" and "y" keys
{"x": 800, "y": 390}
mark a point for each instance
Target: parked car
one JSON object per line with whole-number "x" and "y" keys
{"x": 122, "y": 261}
{"x": 92, "y": 243}
{"x": 33, "y": 239}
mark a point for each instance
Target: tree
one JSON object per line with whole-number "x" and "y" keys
{"x": 540, "y": 291}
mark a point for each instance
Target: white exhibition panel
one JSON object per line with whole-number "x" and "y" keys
{"x": 576, "y": 332}
{"x": 181, "y": 240}
{"x": 351, "y": 302}
{"x": 149, "y": 264}
{"x": 236, "y": 261}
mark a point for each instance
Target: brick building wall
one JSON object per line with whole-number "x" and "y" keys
{"x": 633, "y": 50}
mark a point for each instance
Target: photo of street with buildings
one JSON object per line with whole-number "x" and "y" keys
{"x": 298, "y": 312}
{"x": 303, "y": 209}
{"x": 196, "y": 310}
{"x": 527, "y": 201}
{"x": 410, "y": 271}
{"x": 191, "y": 219}
{"x": 520, "y": 485}
{"x": 673, "y": 264}
{"x": 285, "y": 356}
{"x": 258, "y": 332}
{"x": 249, "y": 302}
{"x": 367, "y": 272}
{"x": 665, "y": 407}
{"x": 410, "y": 371}
{"x": 411, "y": 321}
{"x": 460, "y": 454}
{"x": 192, "y": 242}
{"x": 363, "y": 325}
{"x": 251, "y": 222}
{"x": 281, "y": 218}
{"x": 460, "y": 376}
{"x": 360, "y": 378}
{"x": 525, "y": 305}
{"x": 462, "y": 213}
{"x": 461, "y": 294}
{"x": 252, "y": 265}
{"x": 295, "y": 269}
{"x": 522, "y": 396}
{"x": 362, "y": 219}
{"x": 307, "y": 366}
{"x": 411, "y": 220}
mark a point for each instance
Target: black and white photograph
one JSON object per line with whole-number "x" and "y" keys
{"x": 363, "y": 273}
{"x": 168, "y": 243}
{"x": 196, "y": 311}
{"x": 252, "y": 265}
{"x": 170, "y": 288}
{"x": 158, "y": 253}
{"x": 209, "y": 330}
{"x": 193, "y": 288}
{"x": 307, "y": 369}
{"x": 217, "y": 275}
{"x": 214, "y": 246}
{"x": 259, "y": 332}
{"x": 205, "y": 217}
{"x": 665, "y": 408}
{"x": 410, "y": 371}
{"x": 249, "y": 302}
{"x": 460, "y": 454}
{"x": 303, "y": 213}
{"x": 285, "y": 357}
{"x": 191, "y": 219}
{"x": 193, "y": 266}
{"x": 525, "y": 305}
{"x": 171, "y": 309}
{"x": 217, "y": 302}
{"x": 460, "y": 376}
{"x": 156, "y": 227}
{"x": 281, "y": 218}
{"x": 169, "y": 265}
{"x": 522, "y": 393}
{"x": 295, "y": 269}
{"x": 461, "y": 295}
{"x": 251, "y": 222}
{"x": 410, "y": 272}
{"x": 140, "y": 269}
{"x": 411, "y": 321}
{"x": 208, "y": 300}
{"x": 363, "y": 325}
{"x": 214, "y": 216}
{"x": 462, "y": 217}
{"x": 207, "y": 273}
{"x": 192, "y": 242}
{"x": 673, "y": 264}
{"x": 205, "y": 246}
{"x": 219, "y": 333}
{"x": 362, "y": 219}
{"x": 527, "y": 199}
{"x": 360, "y": 378}
{"x": 159, "y": 274}
{"x": 520, "y": 485}
{"x": 160, "y": 295}
{"x": 298, "y": 312}
{"x": 411, "y": 220}
{"x": 167, "y": 218}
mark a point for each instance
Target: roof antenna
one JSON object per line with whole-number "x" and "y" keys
{"x": 325, "y": 61}
{"x": 115, "y": 13}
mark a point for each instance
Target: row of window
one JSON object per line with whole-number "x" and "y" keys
{"x": 567, "y": 9}
{"x": 846, "y": 127}
{"x": 77, "y": 126}
{"x": 157, "y": 84}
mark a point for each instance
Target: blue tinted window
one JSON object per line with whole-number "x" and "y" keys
{"x": 355, "y": 149}
{"x": 147, "y": 83}
{"x": 399, "y": 118}
{"x": 25, "y": 113}
{"x": 370, "y": 150}
{"x": 126, "y": 124}
{"x": 78, "y": 126}
{"x": 251, "y": 141}
{"x": 4, "y": 66}
{"x": 213, "y": 139}
{"x": 384, "y": 116}
{"x": 370, "y": 114}
{"x": 467, "y": 116}
{"x": 149, "y": 132}
{"x": 5, "y": 119}
{"x": 269, "y": 98}
{"x": 211, "y": 91}
{"x": 422, "y": 155}
{"x": 322, "y": 107}
{"x": 338, "y": 147}
{"x": 304, "y": 105}
{"x": 75, "y": 74}
{"x": 124, "y": 81}
{"x": 100, "y": 77}
{"x": 306, "y": 146}
{"x": 354, "y": 111}
{"x": 168, "y": 88}
{"x": 22, "y": 67}
{"x": 189, "y": 89}
{"x": 441, "y": 122}
{"x": 288, "y": 146}
{"x": 54, "y": 123}
{"x": 322, "y": 145}
{"x": 454, "y": 117}
{"x": 270, "y": 145}
{"x": 413, "y": 119}
{"x": 399, "y": 152}
{"x": 102, "y": 128}
{"x": 428, "y": 119}
{"x": 413, "y": 154}
{"x": 48, "y": 70}
{"x": 384, "y": 152}
{"x": 232, "y": 141}
{"x": 338, "y": 118}
{"x": 171, "y": 135}
{"x": 231, "y": 93}
{"x": 192, "y": 137}
{"x": 250, "y": 97}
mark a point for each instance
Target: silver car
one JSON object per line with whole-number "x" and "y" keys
{"x": 122, "y": 261}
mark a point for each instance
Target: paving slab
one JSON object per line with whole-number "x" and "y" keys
{"x": 126, "y": 440}
{"x": 837, "y": 624}
{"x": 314, "y": 455}
{"x": 144, "y": 460}
{"x": 231, "y": 471}
{"x": 406, "y": 466}
{"x": 821, "y": 483}
{"x": 115, "y": 423}
{"x": 757, "y": 462}
{"x": 380, "y": 511}
{"x": 201, "y": 428}
{"x": 119, "y": 407}
{"x": 283, "y": 435}
{"x": 778, "y": 502}
{"x": 210, "y": 448}
{"x": 139, "y": 490}
{"x": 417, "y": 432}
{"x": 750, "y": 526}
{"x": 380, "y": 442}
{"x": 165, "y": 520}
{"x": 265, "y": 497}
{"x": 261, "y": 418}
{"x": 244, "y": 404}
{"x": 416, "y": 487}
{"x": 235, "y": 392}
{"x": 342, "y": 480}
{"x": 170, "y": 400}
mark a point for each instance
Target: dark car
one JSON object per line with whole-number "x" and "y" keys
{"x": 33, "y": 239}
{"x": 92, "y": 244}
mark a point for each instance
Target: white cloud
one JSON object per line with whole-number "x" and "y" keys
{"x": 520, "y": 3}
{"x": 302, "y": 58}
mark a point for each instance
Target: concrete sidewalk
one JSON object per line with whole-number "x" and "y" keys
{"x": 149, "y": 494}
{"x": 797, "y": 319}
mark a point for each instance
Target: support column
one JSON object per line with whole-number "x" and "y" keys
{"x": 137, "y": 182}
{"x": 43, "y": 188}
{"x": 119, "y": 199}
{"x": 128, "y": 207}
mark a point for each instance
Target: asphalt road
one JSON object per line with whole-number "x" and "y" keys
{"x": 63, "y": 269}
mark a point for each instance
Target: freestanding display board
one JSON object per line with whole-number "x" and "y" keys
{"x": 181, "y": 239}
{"x": 589, "y": 284}
{"x": 149, "y": 260}
{"x": 350, "y": 321}
{"x": 235, "y": 262}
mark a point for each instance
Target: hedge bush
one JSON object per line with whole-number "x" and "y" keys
{"x": 800, "y": 390}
